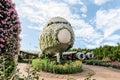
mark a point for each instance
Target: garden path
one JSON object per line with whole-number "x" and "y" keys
{"x": 22, "y": 69}
{"x": 99, "y": 73}
{"x": 104, "y": 73}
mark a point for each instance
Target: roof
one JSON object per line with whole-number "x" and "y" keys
{"x": 30, "y": 51}
{"x": 67, "y": 53}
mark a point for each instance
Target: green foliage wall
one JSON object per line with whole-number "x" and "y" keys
{"x": 112, "y": 52}
{"x": 106, "y": 51}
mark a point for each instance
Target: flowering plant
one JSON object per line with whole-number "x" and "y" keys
{"x": 115, "y": 64}
{"x": 9, "y": 28}
{"x": 9, "y": 38}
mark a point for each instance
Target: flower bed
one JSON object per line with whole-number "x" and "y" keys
{"x": 96, "y": 62}
{"x": 48, "y": 65}
{"x": 105, "y": 63}
{"x": 114, "y": 64}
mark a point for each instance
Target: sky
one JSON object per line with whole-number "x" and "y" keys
{"x": 95, "y": 22}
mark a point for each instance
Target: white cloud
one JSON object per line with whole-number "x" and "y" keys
{"x": 108, "y": 21}
{"x": 88, "y": 34}
{"x": 85, "y": 31}
{"x": 113, "y": 37}
{"x": 100, "y": 2}
{"x": 91, "y": 46}
{"x": 40, "y": 11}
{"x": 72, "y": 1}
{"x": 110, "y": 43}
{"x": 83, "y": 9}
{"x": 84, "y": 15}
{"x": 35, "y": 27}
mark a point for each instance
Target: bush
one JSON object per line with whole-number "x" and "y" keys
{"x": 9, "y": 36}
{"x": 9, "y": 29}
{"x": 103, "y": 63}
{"x": 36, "y": 64}
{"x": 7, "y": 66}
{"x": 96, "y": 62}
{"x": 50, "y": 65}
{"x": 114, "y": 64}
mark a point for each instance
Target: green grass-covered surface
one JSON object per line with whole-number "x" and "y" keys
{"x": 50, "y": 65}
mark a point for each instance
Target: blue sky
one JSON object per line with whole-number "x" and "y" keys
{"x": 95, "y": 22}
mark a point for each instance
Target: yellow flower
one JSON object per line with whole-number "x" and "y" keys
{"x": 78, "y": 62}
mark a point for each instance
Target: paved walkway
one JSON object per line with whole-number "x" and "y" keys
{"x": 22, "y": 69}
{"x": 104, "y": 73}
{"x": 99, "y": 73}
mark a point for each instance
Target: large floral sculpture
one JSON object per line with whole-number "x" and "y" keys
{"x": 57, "y": 36}
{"x": 9, "y": 30}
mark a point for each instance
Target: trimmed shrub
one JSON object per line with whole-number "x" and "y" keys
{"x": 103, "y": 63}
{"x": 95, "y": 62}
{"x": 49, "y": 65}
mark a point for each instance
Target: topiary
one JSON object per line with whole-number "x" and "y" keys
{"x": 9, "y": 30}
{"x": 57, "y": 36}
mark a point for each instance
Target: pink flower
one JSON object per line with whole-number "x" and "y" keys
{"x": 1, "y": 29}
{"x": 1, "y": 45}
{"x": 11, "y": 36}
{"x": 11, "y": 29}
{"x": 10, "y": 10}
{"x": 3, "y": 22}
{"x": 2, "y": 40}
{"x": 0, "y": 14}
{"x": 0, "y": 4}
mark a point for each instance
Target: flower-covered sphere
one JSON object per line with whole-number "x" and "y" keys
{"x": 57, "y": 36}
